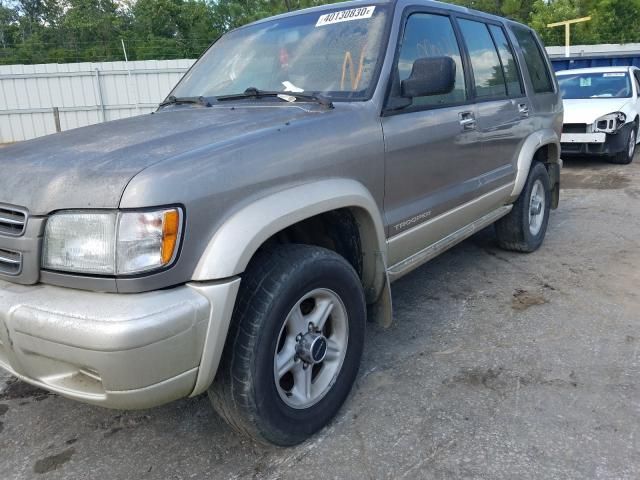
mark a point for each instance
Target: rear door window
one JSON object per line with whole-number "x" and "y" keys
{"x": 509, "y": 66}
{"x": 534, "y": 59}
{"x": 485, "y": 63}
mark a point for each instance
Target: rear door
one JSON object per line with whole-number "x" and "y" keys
{"x": 502, "y": 107}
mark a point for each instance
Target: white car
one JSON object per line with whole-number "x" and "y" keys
{"x": 601, "y": 112}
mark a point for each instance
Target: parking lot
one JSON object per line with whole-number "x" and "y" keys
{"x": 499, "y": 365}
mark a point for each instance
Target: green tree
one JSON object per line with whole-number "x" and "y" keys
{"x": 38, "y": 16}
{"x": 515, "y": 9}
{"x": 196, "y": 26}
{"x": 90, "y": 30}
{"x": 234, "y": 13}
{"x": 615, "y": 21}
{"x": 8, "y": 25}
{"x": 171, "y": 28}
{"x": 612, "y": 21}
{"x": 546, "y": 11}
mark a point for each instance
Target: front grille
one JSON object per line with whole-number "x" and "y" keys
{"x": 10, "y": 262}
{"x": 12, "y": 221}
{"x": 571, "y": 147}
{"x": 574, "y": 128}
{"x": 20, "y": 243}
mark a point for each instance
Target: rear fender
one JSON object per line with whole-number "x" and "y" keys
{"x": 531, "y": 145}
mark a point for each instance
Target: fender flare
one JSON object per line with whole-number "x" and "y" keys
{"x": 529, "y": 148}
{"x": 236, "y": 241}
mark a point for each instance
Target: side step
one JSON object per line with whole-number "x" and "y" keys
{"x": 414, "y": 261}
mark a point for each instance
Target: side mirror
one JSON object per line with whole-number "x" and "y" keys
{"x": 430, "y": 76}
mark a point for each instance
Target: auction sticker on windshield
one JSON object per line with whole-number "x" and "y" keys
{"x": 345, "y": 15}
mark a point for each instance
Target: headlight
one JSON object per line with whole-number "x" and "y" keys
{"x": 111, "y": 243}
{"x": 610, "y": 123}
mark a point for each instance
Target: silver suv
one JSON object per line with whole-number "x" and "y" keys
{"x": 235, "y": 241}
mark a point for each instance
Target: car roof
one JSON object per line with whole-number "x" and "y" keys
{"x": 619, "y": 69}
{"x": 360, "y": 3}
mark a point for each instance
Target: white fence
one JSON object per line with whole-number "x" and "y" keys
{"x": 35, "y": 98}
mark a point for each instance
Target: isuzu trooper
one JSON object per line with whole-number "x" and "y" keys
{"x": 236, "y": 240}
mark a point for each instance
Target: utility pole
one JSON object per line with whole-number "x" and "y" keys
{"x": 567, "y": 32}
{"x": 126, "y": 62}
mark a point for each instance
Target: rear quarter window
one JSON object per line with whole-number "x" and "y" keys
{"x": 534, "y": 60}
{"x": 511, "y": 74}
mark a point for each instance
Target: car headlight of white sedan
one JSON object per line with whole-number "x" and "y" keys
{"x": 610, "y": 123}
{"x": 111, "y": 242}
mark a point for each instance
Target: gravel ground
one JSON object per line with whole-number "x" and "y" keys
{"x": 499, "y": 365}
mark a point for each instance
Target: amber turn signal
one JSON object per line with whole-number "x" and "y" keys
{"x": 170, "y": 227}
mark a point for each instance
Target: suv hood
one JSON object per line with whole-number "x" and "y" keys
{"x": 589, "y": 109}
{"x": 90, "y": 167}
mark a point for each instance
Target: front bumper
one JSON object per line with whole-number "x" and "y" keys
{"x": 115, "y": 350}
{"x": 597, "y": 144}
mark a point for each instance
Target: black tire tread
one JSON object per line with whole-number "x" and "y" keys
{"x": 623, "y": 158}
{"x": 231, "y": 397}
{"x": 233, "y": 409}
{"x": 509, "y": 229}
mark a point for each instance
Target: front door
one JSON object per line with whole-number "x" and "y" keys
{"x": 431, "y": 149}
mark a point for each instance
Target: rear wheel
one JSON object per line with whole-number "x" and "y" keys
{"x": 294, "y": 347}
{"x": 626, "y": 156}
{"x": 525, "y": 227}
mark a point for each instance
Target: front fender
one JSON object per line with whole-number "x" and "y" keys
{"x": 236, "y": 241}
{"x": 631, "y": 111}
{"x": 233, "y": 245}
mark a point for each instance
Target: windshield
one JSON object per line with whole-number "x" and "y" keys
{"x": 595, "y": 85}
{"x": 334, "y": 53}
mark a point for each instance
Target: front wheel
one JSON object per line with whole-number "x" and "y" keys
{"x": 625, "y": 157}
{"x": 525, "y": 227}
{"x": 294, "y": 346}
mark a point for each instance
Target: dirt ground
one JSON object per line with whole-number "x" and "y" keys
{"x": 498, "y": 366}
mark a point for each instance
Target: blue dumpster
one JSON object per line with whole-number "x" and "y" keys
{"x": 570, "y": 63}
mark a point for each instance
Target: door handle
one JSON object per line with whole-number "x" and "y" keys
{"x": 468, "y": 121}
{"x": 523, "y": 108}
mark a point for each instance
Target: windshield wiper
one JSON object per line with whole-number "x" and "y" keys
{"x": 172, "y": 100}
{"x": 253, "y": 92}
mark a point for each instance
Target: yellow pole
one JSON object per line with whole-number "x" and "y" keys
{"x": 567, "y": 32}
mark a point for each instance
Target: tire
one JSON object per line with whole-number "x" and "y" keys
{"x": 516, "y": 231}
{"x": 267, "y": 316}
{"x": 625, "y": 157}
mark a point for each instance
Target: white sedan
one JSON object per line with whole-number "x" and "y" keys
{"x": 601, "y": 112}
